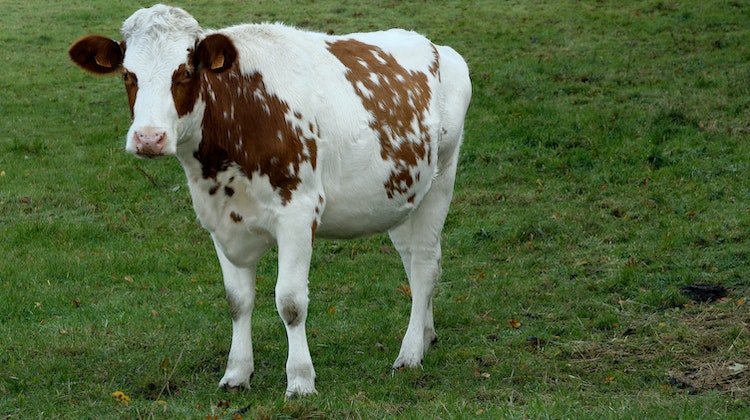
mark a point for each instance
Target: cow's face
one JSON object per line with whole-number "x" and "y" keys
{"x": 161, "y": 61}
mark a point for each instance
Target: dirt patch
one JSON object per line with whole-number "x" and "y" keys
{"x": 731, "y": 377}
{"x": 696, "y": 348}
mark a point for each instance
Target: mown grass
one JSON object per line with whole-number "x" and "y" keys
{"x": 605, "y": 166}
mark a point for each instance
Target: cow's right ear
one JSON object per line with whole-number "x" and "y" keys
{"x": 215, "y": 53}
{"x": 97, "y": 54}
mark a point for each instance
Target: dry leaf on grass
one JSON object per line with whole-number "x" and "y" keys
{"x": 514, "y": 323}
{"x": 121, "y": 397}
{"x": 404, "y": 289}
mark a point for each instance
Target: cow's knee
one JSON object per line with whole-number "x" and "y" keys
{"x": 292, "y": 308}
{"x": 239, "y": 305}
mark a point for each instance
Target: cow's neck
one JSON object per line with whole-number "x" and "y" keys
{"x": 251, "y": 130}
{"x": 190, "y": 164}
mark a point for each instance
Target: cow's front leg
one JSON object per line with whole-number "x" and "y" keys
{"x": 239, "y": 283}
{"x": 295, "y": 249}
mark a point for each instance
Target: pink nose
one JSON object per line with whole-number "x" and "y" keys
{"x": 150, "y": 143}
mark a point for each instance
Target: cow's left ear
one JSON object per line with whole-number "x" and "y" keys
{"x": 215, "y": 53}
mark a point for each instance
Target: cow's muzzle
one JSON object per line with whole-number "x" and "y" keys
{"x": 150, "y": 143}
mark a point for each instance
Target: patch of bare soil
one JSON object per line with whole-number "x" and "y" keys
{"x": 699, "y": 347}
{"x": 731, "y": 377}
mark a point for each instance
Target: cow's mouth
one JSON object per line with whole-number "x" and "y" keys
{"x": 148, "y": 155}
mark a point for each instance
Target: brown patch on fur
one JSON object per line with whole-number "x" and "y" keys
{"x": 234, "y": 306}
{"x": 213, "y": 189}
{"x": 314, "y": 228}
{"x": 236, "y": 218}
{"x": 290, "y": 313}
{"x": 185, "y": 87}
{"x": 229, "y": 191}
{"x": 212, "y": 164}
{"x": 396, "y": 99}
{"x": 131, "y": 87}
{"x": 435, "y": 66}
{"x": 245, "y": 124}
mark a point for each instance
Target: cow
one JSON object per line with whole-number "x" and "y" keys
{"x": 287, "y": 135}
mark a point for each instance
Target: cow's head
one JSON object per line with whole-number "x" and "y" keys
{"x": 162, "y": 59}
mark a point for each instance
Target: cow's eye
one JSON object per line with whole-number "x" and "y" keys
{"x": 183, "y": 75}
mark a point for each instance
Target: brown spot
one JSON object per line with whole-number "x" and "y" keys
{"x": 314, "y": 228}
{"x": 289, "y": 312}
{"x": 235, "y": 309}
{"x": 321, "y": 200}
{"x": 258, "y": 138}
{"x": 131, "y": 88}
{"x": 235, "y": 217}
{"x": 185, "y": 87}
{"x": 396, "y": 97}
{"x": 229, "y": 191}
{"x": 411, "y": 199}
{"x": 435, "y": 66}
{"x": 213, "y": 189}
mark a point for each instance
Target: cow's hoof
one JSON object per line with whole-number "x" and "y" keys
{"x": 430, "y": 338}
{"x": 234, "y": 385}
{"x": 403, "y": 366}
{"x": 234, "y": 389}
{"x": 299, "y": 390}
{"x": 408, "y": 361}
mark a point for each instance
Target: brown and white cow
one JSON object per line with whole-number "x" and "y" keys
{"x": 287, "y": 135}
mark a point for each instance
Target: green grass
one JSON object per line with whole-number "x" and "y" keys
{"x": 606, "y": 165}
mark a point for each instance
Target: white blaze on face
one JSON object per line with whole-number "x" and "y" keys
{"x": 157, "y": 41}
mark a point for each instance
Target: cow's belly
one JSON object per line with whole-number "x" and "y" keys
{"x": 348, "y": 220}
{"x": 360, "y": 206}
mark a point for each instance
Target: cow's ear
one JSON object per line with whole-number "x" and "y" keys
{"x": 97, "y": 54}
{"x": 216, "y": 53}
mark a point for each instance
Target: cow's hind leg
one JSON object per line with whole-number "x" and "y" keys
{"x": 239, "y": 284}
{"x": 418, "y": 242}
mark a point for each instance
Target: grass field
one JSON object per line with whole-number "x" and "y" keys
{"x": 606, "y": 165}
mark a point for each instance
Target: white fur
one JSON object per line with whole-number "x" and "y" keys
{"x": 350, "y": 174}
